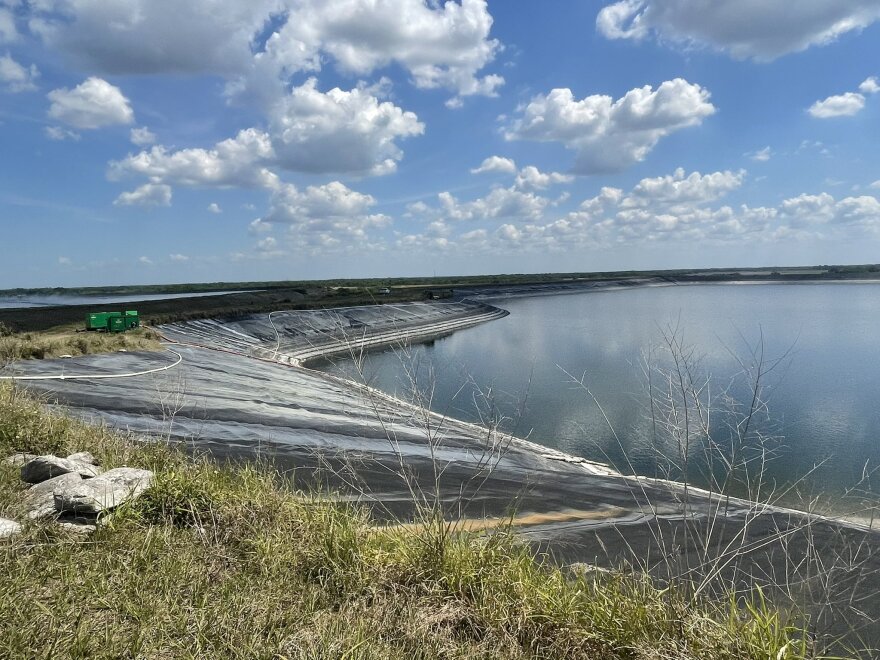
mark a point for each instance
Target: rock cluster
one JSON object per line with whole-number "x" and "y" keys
{"x": 74, "y": 491}
{"x": 41, "y": 468}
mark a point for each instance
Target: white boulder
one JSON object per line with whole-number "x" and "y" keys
{"x": 42, "y": 468}
{"x": 108, "y": 491}
{"x": 39, "y": 500}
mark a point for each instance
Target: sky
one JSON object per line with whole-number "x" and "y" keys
{"x": 159, "y": 141}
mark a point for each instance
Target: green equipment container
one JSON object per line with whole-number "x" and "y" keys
{"x": 117, "y": 324}
{"x": 96, "y": 321}
{"x": 132, "y": 320}
{"x": 101, "y": 320}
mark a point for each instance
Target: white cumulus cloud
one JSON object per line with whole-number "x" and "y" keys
{"x": 214, "y": 207}
{"x": 847, "y": 104}
{"x": 292, "y": 206}
{"x": 15, "y": 77}
{"x": 92, "y": 104}
{"x": 339, "y": 131}
{"x": 322, "y": 217}
{"x": 496, "y": 164}
{"x": 153, "y": 36}
{"x": 528, "y": 178}
{"x": 235, "y": 162}
{"x": 841, "y": 105}
{"x": 507, "y": 203}
{"x": 142, "y": 136}
{"x": 681, "y": 207}
{"x": 823, "y": 209}
{"x": 608, "y": 135}
{"x": 869, "y": 86}
{"x": 613, "y": 219}
{"x": 440, "y": 44}
{"x": 350, "y": 132}
{"x": 149, "y": 194}
{"x": 759, "y": 29}
{"x": 178, "y": 258}
{"x": 678, "y": 188}
{"x": 531, "y": 178}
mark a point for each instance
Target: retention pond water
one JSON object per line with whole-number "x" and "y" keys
{"x": 820, "y": 425}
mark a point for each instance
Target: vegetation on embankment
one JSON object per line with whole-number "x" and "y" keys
{"x": 857, "y": 270}
{"x": 217, "y": 562}
{"x": 155, "y": 312}
{"x": 257, "y": 297}
{"x": 43, "y": 345}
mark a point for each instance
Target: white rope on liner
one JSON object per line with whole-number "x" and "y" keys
{"x": 277, "y": 334}
{"x": 97, "y": 376}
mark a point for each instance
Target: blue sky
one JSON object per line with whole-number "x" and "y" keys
{"x": 149, "y": 141}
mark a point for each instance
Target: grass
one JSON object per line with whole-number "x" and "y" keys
{"x": 233, "y": 562}
{"x": 53, "y": 344}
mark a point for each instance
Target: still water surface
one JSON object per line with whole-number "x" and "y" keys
{"x": 823, "y": 398}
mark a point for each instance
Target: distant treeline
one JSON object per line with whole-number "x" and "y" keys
{"x": 450, "y": 280}
{"x": 155, "y": 312}
{"x": 260, "y": 297}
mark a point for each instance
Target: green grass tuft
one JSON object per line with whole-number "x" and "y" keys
{"x": 231, "y": 562}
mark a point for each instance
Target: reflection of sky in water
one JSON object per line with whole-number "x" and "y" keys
{"x": 823, "y": 399}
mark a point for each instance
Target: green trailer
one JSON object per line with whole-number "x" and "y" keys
{"x": 101, "y": 320}
{"x": 113, "y": 321}
{"x": 132, "y": 320}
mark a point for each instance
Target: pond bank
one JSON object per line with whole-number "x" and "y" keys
{"x": 377, "y": 450}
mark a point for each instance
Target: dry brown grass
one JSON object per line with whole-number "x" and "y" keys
{"x": 55, "y": 343}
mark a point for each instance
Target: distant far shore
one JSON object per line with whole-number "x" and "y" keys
{"x": 241, "y": 298}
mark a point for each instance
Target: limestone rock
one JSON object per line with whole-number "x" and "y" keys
{"x": 133, "y": 478}
{"x": 42, "y": 468}
{"x": 39, "y": 501}
{"x": 108, "y": 491}
{"x": 9, "y": 528}
{"x": 17, "y": 460}
{"x": 83, "y": 457}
